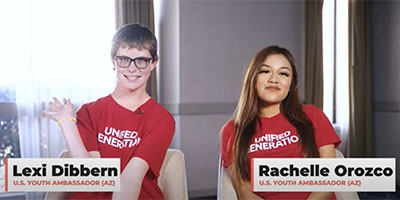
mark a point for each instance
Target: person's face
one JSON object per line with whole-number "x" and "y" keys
{"x": 274, "y": 79}
{"x": 131, "y": 77}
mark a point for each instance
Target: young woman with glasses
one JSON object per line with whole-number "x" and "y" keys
{"x": 270, "y": 122}
{"x": 127, "y": 124}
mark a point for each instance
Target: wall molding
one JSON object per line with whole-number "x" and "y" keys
{"x": 209, "y": 108}
{"x": 209, "y": 192}
{"x": 229, "y": 107}
{"x": 386, "y": 106}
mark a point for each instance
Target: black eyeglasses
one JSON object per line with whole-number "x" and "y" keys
{"x": 125, "y": 62}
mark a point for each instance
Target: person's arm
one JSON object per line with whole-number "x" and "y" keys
{"x": 243, "y": 191}
{"x": 148, "y": 157}
{"x": 227, "y": 138}
{"x": 131, "y": 179}
{"x": 327, "y": 151}
{"x": 75, "y": 146}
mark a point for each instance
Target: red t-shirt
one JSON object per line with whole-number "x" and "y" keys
{"x": 116, "y": 132}
{"x": 282, "y": 141}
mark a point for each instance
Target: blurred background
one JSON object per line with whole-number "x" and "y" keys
{"x": 346, "y": 54}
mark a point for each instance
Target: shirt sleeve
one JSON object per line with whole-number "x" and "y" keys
{"x": 154, "y": 144}
{"x": 324, "y": 132}
{"x": 86, "y": 129}
{"x": 227, "y": 140}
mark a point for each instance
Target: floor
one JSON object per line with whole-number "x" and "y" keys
{"x": 361, "y": 195}
{"x": 380, "y": 195}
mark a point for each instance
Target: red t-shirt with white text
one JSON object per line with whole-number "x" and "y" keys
{"x": 278, "y": 138}
{"x": 116, "y": 132}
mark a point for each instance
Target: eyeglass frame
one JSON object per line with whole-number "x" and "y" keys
{"x": 149, "y": 60}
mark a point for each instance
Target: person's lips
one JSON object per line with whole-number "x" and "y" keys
{"x": 272, "y": 88}
{"x": 131, "y": 77}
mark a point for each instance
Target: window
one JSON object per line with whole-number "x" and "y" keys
{"x": 49, "y": 48}
{"x": 336, "y": 62}
{"x": 9, "y": 138}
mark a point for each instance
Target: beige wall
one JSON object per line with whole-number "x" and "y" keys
{"x": 385, "y": 64}
{"x": 202, "y": 67}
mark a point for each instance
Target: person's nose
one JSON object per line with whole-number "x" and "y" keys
{"x": 132, "y": 67}
{"x": 273, "y": 78}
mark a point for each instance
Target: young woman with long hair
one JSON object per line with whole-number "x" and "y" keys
{"x": 269, "y": 112}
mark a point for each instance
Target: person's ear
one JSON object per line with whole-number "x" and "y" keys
{"x": 113, "y": 62}
{"x": 154, "y": 64}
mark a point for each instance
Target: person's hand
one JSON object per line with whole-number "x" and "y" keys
{"x": 60, "y": 111}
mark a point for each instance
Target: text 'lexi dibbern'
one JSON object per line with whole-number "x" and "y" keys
{"x": 65, "y": 170}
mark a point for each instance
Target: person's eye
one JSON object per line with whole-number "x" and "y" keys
{"x": 265, "y": 71}
{"x": 284, "y": 74}
{"x": 125, "y": 59}
{"x": 142, "y": 60}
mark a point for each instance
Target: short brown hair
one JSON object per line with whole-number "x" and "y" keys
{"x": 135, "y": 36}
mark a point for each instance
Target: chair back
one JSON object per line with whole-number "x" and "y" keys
{"x": 172, "y": 180}
{"x": 344, "y": 195}
{"x": 225, "y": 190}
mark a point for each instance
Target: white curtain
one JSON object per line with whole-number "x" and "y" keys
{"x": 54, "y": 48}
{"x": 335, "y": 41}
{"x": 342, "y": 71}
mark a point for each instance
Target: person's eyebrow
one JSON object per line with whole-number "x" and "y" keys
{"x": 283, "y": 67}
